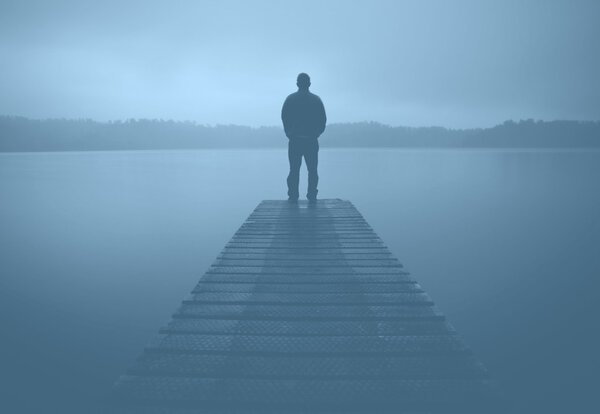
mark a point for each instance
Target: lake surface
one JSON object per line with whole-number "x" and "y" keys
{"x": 97, "y": 249}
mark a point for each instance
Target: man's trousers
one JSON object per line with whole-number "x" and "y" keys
{"x": 309, "y": 149}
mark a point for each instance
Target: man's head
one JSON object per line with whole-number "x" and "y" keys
{"x": 303, "y": 81}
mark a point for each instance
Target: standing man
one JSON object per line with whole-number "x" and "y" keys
{"x": 303, "y": 116}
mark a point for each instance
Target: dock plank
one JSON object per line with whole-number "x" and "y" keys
{"x": 306, "y": 310}
{"x": 310, "y": 299}
{"x": 321, "y": 327}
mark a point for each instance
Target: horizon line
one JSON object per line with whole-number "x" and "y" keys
{"x": 208, "y": 125}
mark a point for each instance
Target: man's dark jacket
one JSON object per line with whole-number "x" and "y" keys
{"x": 303, "y": 115}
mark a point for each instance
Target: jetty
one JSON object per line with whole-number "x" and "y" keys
{"x": 306, "y": 310}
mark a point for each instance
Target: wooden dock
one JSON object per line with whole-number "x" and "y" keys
{"x": 306, "y": 310}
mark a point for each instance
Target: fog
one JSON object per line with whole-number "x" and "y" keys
{"x": 130, "y": 154}
{"x": 99, "y": 248}
{"x": 417, "y": 63}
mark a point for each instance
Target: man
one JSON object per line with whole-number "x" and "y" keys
{"x": 304, "y": 119}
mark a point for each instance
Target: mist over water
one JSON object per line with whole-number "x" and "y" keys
{"x": 97, "y": 249}
{"x": 459, "y": 64}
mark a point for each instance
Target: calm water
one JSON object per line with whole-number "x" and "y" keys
{"x": 97, "y": 250}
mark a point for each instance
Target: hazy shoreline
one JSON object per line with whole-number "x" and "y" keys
{"x": 19, "y": 134}
{"x": 324, "y": 148}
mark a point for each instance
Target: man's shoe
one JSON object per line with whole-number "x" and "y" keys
{"x": 293, "y": 199}
{"x": 312, "y": 199}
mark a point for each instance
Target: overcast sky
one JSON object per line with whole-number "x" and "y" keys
{"x": 450, "y": 63}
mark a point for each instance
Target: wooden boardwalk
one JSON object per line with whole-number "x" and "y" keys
{"x": 306, "y": 310}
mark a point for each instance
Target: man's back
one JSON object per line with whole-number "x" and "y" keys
{"x": 303, "y": 115}
{"x": 304, "y": 119}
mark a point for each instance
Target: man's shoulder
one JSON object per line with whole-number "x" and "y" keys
{"x": 308, "y": 96}
{"x": 300, "y": 96}
{"x": 295, "y": 95}
{"x": 313, "y": 97}
{"x": 291, "y": 97}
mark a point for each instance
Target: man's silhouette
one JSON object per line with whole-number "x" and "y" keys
{"x": 303, "y": 116}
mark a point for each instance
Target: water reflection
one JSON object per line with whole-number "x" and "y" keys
{"x": 98, "y": 249}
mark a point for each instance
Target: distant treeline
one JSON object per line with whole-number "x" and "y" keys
{"x": 23, "y": 134}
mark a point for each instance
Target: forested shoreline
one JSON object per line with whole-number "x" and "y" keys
{"x": 24, "y": 134}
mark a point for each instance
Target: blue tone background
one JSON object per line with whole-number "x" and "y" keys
{"x": 97, "y": 250}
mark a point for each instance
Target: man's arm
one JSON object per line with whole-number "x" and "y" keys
{"x": 285, "y": 117}
{"x": 322, "y": 117}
